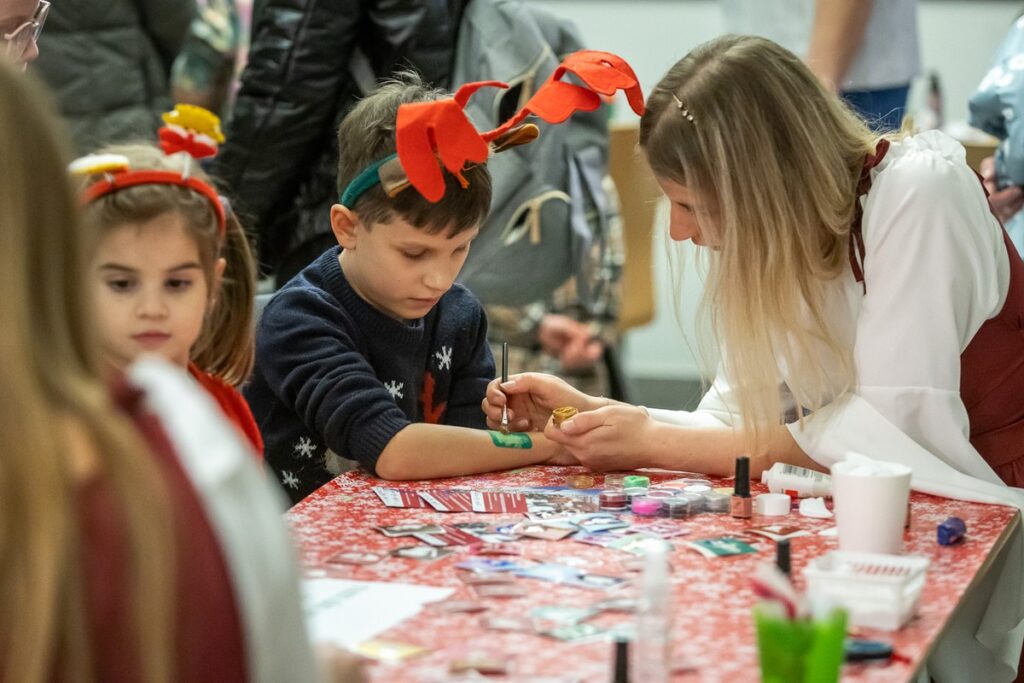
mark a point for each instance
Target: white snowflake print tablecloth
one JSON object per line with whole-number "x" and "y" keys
{"x": 712, "y": 627}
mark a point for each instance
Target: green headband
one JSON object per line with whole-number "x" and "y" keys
{"x": 369, "y": 177}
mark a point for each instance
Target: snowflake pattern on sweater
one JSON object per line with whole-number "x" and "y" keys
{"x": 335, "y": 376}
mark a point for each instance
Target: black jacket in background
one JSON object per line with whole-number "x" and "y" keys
{"x": 109, "y": 61}
{"x": 279, "y": 163}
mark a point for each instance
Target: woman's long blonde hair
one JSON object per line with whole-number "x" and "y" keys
{"x": 225, "y": 344}
{"x": 775, "y": 159}
{"x": 50, "y": 379}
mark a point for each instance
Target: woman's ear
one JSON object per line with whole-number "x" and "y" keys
{"x": 344, "y": 222}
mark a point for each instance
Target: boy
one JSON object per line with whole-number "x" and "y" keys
{"x": 371, "y": 353}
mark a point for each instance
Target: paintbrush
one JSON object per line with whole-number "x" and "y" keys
{"x": 504, "y": 379}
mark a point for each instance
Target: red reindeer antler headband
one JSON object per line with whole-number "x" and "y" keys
{"x": 433, "y": 134}
{"x": 190, "y": 129}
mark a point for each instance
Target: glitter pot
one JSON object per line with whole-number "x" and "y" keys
{"x": 677, "y": 508}
{"x": 614, "y": 480}
{"x": 579, "y": 481}
{"x": 634, "y": 493}
{"x": 560, "y": 415}
{"x": 716, "y": 502}
{"x": 661, "y": 493}
{"x": 696, "y": 502}
{"x": 613, "y": 499}
{"x": 646, "y": 507}
{"x": 699, "y": 489}
{"x": 636, "y": 481}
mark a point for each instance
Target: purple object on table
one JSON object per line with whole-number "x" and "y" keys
{"x": 951, "y": 531}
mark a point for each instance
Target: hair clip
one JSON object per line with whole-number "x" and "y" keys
{"x": 682, "y": 108}
{"x": 98, "y": 164}
{"x": 429, "y": 135}
{"x": 189, "y": 129}
{"x": 192, "y": 130}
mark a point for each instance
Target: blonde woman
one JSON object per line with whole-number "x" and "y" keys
{"x": 138, "y": 542}
{"x": 861, "y": 294}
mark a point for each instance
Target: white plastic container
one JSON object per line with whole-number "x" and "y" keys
{"x": 796, "y": 482}
{"x": 651, "y": 658}
{"x": 878, "y": 591}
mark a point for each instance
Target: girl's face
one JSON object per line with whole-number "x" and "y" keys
{"x": 685, "y": 207}
{"x": 151, "y": 290}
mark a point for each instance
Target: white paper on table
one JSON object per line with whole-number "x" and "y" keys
{"x": 348, "y": 613}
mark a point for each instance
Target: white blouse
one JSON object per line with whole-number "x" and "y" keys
{"x": 936, "y": 269}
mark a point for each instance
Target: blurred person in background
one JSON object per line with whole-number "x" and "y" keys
{"x": 109, "y": 64}
{"x": 21, "y": 22}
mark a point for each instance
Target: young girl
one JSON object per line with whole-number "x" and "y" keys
{"x": 126, "y": 517}
{"x": 173, "y": 272}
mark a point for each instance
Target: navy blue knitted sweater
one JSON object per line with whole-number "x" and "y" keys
{"x": 336, "y": 377}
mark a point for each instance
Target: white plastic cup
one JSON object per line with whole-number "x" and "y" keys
{"x": 870, "y": 505}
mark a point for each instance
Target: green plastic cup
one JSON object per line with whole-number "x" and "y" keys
{"x": 799, "y": 650}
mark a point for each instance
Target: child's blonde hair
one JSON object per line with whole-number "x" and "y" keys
{"x": 225, "y": 345}
{"x": 50, "y": 374}
{"x": 775, "y": 158}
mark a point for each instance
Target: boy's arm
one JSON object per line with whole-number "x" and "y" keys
{"x": 429, "y": 451}
{"x": 315, "y": 369}
{"x": 469, "y": 384}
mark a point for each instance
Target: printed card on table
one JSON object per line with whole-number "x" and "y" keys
{"x": 409, "y": 529}
{"x": 497, "y": 501}
{"x": 575, "y": 632}
{"x": 640, "y": 544}
{"x": 722, "y": 546}
{"x": 446, "y": 535}
{"x": 486, "y": 565}
{"x": 448, "y": 500}
{"x": 777, "y": 532}
{"x": 399, "y": 498}
{"x": 660, "y": 528}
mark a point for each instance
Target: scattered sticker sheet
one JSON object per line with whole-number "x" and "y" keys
{"x": 399, "y": 498}
{"x": 778, "y": 532}
{"x": 448, "y": 500}
{"x": 447, "y": 535}
{"x": 500, "y": 502}
{"x": 722, "y": 546}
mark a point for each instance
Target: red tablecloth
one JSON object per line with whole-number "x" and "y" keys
{"x": 712, "y": 626}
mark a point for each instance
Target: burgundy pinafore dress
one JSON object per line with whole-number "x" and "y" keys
{"x": 992, "y": 365}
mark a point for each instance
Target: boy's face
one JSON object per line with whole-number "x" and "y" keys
{"x": 401, "y": 270}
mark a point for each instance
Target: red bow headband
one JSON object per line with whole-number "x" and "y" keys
{"x": 432, "y": 134}
{"x": 189, "y": 129}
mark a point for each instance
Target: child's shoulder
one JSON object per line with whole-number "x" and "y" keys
{"x": 308, "y": 294}
{"x": 459, "y": 315}
{"x": 459, "y": 300}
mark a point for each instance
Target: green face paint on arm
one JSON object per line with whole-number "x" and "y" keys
{"x": 513, "y": 440}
